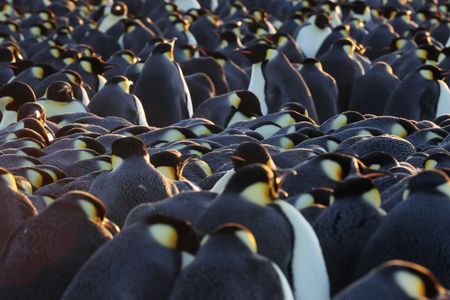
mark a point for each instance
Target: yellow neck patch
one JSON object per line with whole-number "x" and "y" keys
{"x": 258, "y": 193}
{"x": 248, "y": 239}
{"x": 165, "y": 235}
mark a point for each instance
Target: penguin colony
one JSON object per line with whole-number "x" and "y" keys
{"x": 205, "y": 149}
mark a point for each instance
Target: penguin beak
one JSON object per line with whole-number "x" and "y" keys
{"x": 282, "y": 174}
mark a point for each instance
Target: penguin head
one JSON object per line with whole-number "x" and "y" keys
{"x": 345, "y": 44}
{"x": 251, "y": 153}
{"x": 428, "y": 53}
{"x": 433, "y": 181}
{"x": 259, "y": 53}
{"x": 379, "y": 161}
{"x": 122, "y": 82}
{"x": 87, "y": 204}
{"x": 127, "y": 147}
{"x": 164, "y": 48}
{"x": 321, "y": 197}
{"x": 60, "y": 91}
{"x": 229, "y": 38}
{"x": 321, "y": 20}
{"x": 118, "y": 9}
{"x": 312, "y": 63}
{"x": 430, "y": 72}
{"x": 358, "y": 188}
{"x": 256, "y": 183}
{"x": 13, "y": 95}
{"x": 246, "y": 102}
{"x": 33, "y": 110}
{"x": 7, "y": 179}
{"x": 169, "y": 162}
{"x": 233, "y": 232}
{"x": 294, "y": 107}
{"x": 359, "y": 7}
{"x": 40, "y": 71}
{"x": 437, "y": 160}
{"x": 336, "y": 166}
{"x": 173, "y": 233}
{"x": 414, "y": 280}
{"x": 93, "y": 64}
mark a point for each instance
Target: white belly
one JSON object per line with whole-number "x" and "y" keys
{"x": 310, "y": 38}
{"x": 257, "y": 86}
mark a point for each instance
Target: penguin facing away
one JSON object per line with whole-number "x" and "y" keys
{"x": 59, "y": 251}
{"x": 132, "y": 181}
{"x": 155, "y": 250}
{"x": 115, "y": 99}
{"x": 422, "y": 95}
{"x": 228, "y": 265}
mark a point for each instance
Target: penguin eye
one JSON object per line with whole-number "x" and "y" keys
{"x": 248, "y": 239}
{"x": 164, "y": 234}
{"x": 410, "y": 283}
{"x": 332, "y": 169}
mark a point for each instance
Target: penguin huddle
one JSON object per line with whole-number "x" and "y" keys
{"x": 195, "y": 149}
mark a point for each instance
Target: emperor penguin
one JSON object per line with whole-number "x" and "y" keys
{"x": 113, "y": 14}
{"x": 132, "y": 180}
{"x": 115, "y": 99}
{"x": 247, "y": 153}
{"x": 155, "y": 250}
{"x": 414, "y": 230}
{"x": 228, "y": 266}
{"x": 59, "y": 251}
{"x": 230, "y": 108}
{"x": 341, "y": 63}
{"x": 16, "y": 205}
{"x": 251, "y": 198}
{"x": 275, "y": 81}
{"x": 420, "y": 95}
{"x": 395, "y": 279}
{"x": 58, "y": 99}
{"x": 311, "y": 35}
{"x": 12, "y": 96}
{"x": 162, "y": 89}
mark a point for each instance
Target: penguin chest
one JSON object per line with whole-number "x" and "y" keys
{"x": 258, "y": 85}
{"x": 310, "y": 38}
{"x": 443, "y": 102}
{"x": 9, "y": 117}
{"x": 108, "y": 22}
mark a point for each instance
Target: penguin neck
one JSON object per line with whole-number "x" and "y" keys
{"x": 9, "y": 117}
{"x": 258, "y": 193}
{"x": 257, "y": 85}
